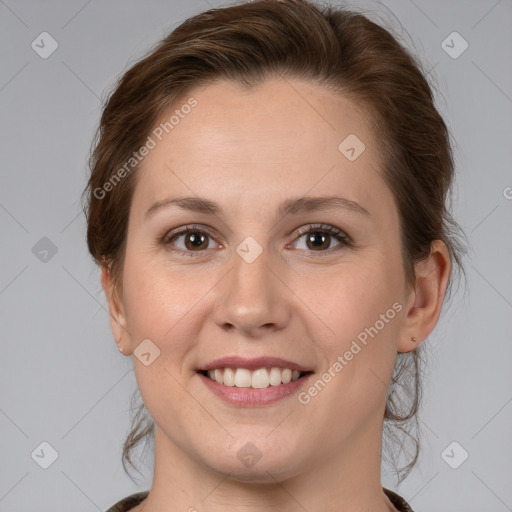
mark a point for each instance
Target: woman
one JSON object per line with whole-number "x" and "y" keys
{"x": 267, "y": 205}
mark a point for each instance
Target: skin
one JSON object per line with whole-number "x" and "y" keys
{"x": 248, "y": 152}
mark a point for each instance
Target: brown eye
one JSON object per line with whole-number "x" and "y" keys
{"x": 318, "y": 240}
{"x": 321, "y": 238}
{"x": 188, "y": 240}
{"x": 196, "y": 240}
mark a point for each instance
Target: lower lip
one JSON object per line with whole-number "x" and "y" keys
{"x": 251, "y": 397}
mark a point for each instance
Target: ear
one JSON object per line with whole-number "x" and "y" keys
{"x": 426, "y": 299}
{"x": 116, "y": 310}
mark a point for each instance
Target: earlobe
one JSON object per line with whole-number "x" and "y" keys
{"x": 426, "y": 299}
{"x": 116, "y": 312}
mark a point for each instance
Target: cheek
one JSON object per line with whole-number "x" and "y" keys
{"x": 158, "y": 295}
{"x": 359, "y": 312}
{"x": 352, "y": 297}
{"x": 159, "y": 305}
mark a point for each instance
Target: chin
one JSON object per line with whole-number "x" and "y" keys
{"x": 260, "y": 473}
{"x": 258, "y": 462}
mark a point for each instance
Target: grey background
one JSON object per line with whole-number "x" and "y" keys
{"x": 62, "y": 379}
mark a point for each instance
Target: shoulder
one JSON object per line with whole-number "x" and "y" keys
{"x": 398, "y": 501}
{"x": 129, "y": 502}
{"x": 133, "y": 500}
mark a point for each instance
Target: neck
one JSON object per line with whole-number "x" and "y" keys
{"x": 349, "y": 480}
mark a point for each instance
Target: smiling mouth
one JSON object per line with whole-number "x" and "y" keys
{"x": 260, "y": 378}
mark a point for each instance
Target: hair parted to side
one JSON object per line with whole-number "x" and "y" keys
{"x": 337, "y": 48}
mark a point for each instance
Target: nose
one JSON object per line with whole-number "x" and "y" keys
{"x": 253, "y": 298}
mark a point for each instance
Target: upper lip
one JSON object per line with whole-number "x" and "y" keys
{"x": 253, "y": 363}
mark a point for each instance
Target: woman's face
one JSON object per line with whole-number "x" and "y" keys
{"x": 267, "y": 272}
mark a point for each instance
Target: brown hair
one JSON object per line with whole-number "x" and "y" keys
{"x": 333, "y": 47}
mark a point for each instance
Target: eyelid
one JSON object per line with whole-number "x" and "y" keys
{"x": 186, "y": 229}
{"x": 327, "y": 228}
{"x": 341, "y": 235}
{"x": 183, "y": 230}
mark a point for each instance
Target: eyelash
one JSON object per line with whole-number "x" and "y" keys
{"x": 338, "y": 234}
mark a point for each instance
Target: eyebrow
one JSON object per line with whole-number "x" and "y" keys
{"x": 293, "y": 206}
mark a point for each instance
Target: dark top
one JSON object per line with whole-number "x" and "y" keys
{"x": 132, "y": 501}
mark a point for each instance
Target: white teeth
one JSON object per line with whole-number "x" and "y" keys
{"x": 218, "y": 376}
{"x": 275, "y": 376}
{"x": 242, "y": 378}
{"x": 259, "y": 379}
{"x": 229, "y": 377}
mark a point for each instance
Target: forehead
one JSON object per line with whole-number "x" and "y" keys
{"x": 285, "y": 136}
